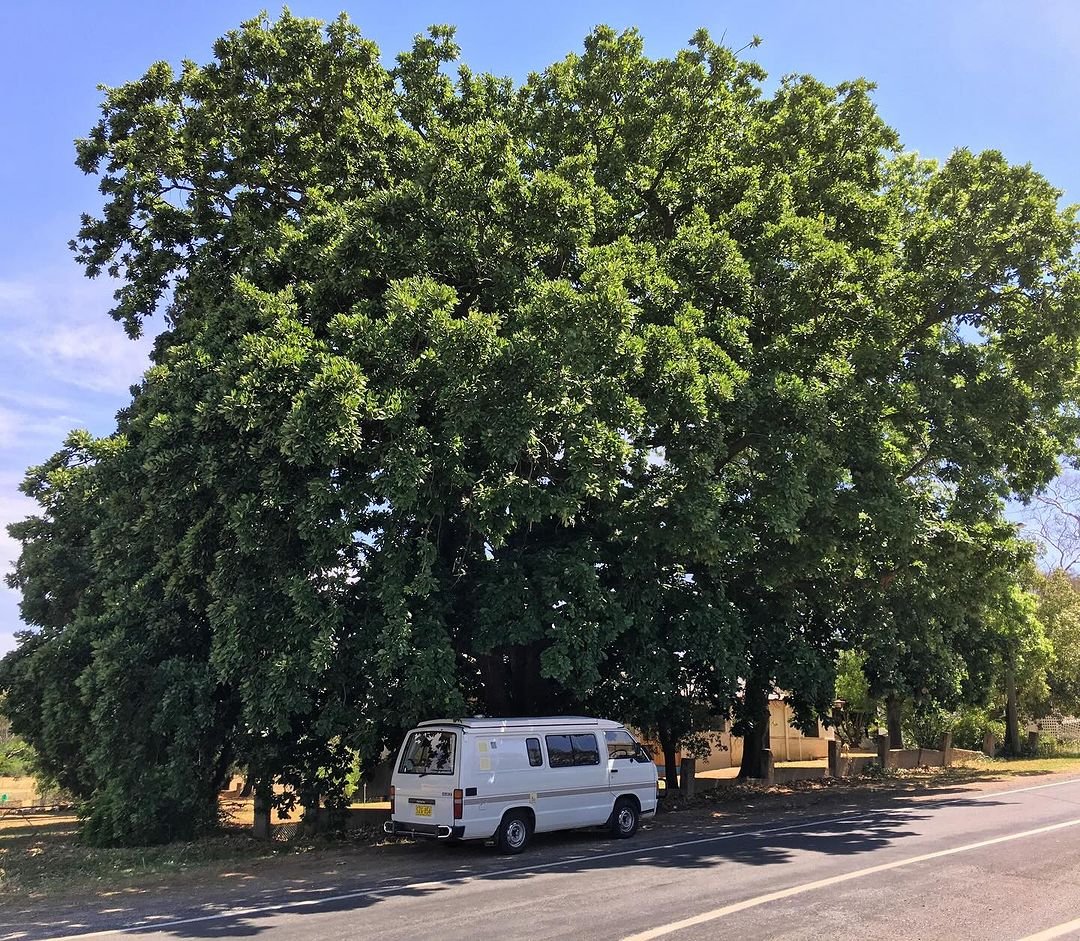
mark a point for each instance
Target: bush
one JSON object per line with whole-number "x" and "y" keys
{"x": 853, "y": 727}
{"x": 16, "y": 759}
{"x": 925, "y": 724}
{"x": 1050, "y": 747}
{"x": 970, "y": 725}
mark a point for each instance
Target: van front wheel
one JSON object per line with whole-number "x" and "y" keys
{"x": 624, "y": 818}
{"x": 514, "y": 832}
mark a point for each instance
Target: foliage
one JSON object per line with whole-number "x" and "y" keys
{"x": 859, "y": 708}
{"x": 635, "y": 388}
{"x": 925, "y": 724}
{"x": 1058, "y": 594}
{"x": 16, "y": 758}
{"x": 49, "y": 859}
{"x": 971, "y": 724}
{"x": 1050, "y": 747}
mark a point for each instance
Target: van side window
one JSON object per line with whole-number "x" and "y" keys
{"x": 566, "y": 751}
{"x": 532, "y": 746}
{"x": 586, "y": 751}
{"x": 560, "y": 751}
{"x": 620, "y": 744}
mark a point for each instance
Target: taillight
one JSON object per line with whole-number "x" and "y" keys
{"x": 392, "y": 792}
{"x": 459, "y": 802}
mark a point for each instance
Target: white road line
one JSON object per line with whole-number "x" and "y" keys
{"x": 1017, "y": 790}
{"x": 643, "y": 851}
{"x": 1058, "y": 931}
{"x": 716, "y": 913}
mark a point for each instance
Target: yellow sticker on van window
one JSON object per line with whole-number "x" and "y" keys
{"x": 485, "y": 764}
{"x": 482, "y": 746}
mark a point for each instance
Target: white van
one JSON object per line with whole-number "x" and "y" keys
{"x": 505, "y": 779}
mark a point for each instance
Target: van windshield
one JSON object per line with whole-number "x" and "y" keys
{"x": 429, "y": 753}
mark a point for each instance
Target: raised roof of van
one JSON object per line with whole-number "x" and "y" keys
{"x": 509, "y": 722}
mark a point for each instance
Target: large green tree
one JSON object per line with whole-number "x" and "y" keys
{"x": 634, "y": 384}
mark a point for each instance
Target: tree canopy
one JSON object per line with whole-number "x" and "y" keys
{"x": 633, "y": 385}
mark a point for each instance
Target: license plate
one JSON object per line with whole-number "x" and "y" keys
{"x": 423, "y": 810}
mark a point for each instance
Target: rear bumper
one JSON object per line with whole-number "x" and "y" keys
{"x": 436, "y": 831}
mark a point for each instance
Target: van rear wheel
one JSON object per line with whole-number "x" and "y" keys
{"x": 625, "y": 818}
{"x": 514, "y": 832}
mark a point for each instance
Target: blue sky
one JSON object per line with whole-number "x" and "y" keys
{"x": 976, "y": 74}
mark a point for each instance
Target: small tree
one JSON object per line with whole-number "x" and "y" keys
{"x": 857, "y": 708}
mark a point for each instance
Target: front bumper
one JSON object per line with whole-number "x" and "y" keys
{"x": 438, "y": 831}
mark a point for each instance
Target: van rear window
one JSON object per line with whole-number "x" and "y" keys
{"x": 429, "y": 753}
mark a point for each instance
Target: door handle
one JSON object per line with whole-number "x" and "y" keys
{"x": 614, "y": 770}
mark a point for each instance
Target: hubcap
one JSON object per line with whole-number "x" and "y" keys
{"x": 515, "y": 833}
{"x": 626, "y": 819}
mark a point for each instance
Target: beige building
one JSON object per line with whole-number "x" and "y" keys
{"x": 786, "y": 741}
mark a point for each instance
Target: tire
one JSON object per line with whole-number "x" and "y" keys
{"x": 514, "y": 832}
{"x": 625, "y": 818}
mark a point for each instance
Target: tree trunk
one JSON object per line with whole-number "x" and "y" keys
{"x": 312, "y": 816}
{"x": 894, "y": 711}
{"x": 534, "y": 694}
{"x": 249, "y": 785}
{"x": 514, "y": 685}
{"x": 1012, "y": 717}
{"x": 671, "y": 764}
{"x": 493, "y": 673}
{"x": 755, "y": 730}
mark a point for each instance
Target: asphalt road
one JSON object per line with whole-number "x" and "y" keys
{"x": 996, "y": 865}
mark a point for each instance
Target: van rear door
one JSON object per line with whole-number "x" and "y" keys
{"x": 425, "y": 777}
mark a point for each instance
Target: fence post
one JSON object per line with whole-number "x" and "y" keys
{"x": 261, "y": 828}
{"x": 686, "y": 775}
{"x": 946, "y": 749}
{"x": 834, "y": 758}
{"x": 883, "y": 750}
{"x": 1033, "y": 743}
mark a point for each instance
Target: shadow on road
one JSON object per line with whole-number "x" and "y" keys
{"x": 427, "y": 870}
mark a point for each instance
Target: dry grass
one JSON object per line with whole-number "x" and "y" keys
{"x": 18, "y": 790}
{"x": 1024, "y": 766}
{"x": 43, "y": 858}
{"x": 41, "y": 855}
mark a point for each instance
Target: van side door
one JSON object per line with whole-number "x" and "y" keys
{"x": 578, "y": 795}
